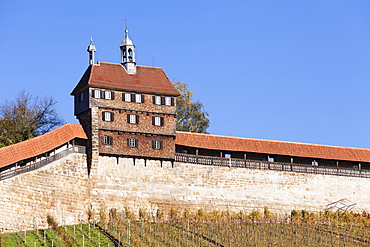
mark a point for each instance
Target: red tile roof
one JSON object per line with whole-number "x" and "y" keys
{"x": 114, "y": 76}
{"x": 40, "y": 144}
{"x": 293, "y": 149}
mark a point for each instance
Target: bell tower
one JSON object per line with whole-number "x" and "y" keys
{"x": 128, "y": 55}
{"x": 91, "y": 49}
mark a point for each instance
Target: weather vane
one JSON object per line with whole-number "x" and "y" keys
{"x": 125, "y": 20}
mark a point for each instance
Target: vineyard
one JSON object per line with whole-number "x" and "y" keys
{"x": 182, "y": 228}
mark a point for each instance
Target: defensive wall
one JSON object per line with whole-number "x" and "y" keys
{"x": 64, "y": 189}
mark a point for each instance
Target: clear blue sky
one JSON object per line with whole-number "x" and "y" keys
{"x": 268, "y": 69}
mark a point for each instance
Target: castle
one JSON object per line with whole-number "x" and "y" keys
{"x": 126, "y": 151}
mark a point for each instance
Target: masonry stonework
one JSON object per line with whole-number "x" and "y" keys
{"x": 65, "y": 190}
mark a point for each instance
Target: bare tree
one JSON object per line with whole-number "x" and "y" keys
{"x": 26, "y": 117}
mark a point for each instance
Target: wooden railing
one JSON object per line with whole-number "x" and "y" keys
{"x": 274, "y": 166}
{"x": 36, "y": 165}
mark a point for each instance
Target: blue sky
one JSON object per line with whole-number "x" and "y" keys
{"x": 268, "y": 69}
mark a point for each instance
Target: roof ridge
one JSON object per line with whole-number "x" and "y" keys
{"x": 144, "y": 66}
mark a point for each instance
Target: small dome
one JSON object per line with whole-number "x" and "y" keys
{"x": 127, "y": 41}
{"x": 91, "y": 47}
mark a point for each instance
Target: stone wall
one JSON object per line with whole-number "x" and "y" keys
{"x": 60, "y": 188}
{"x": 64, "y": 189}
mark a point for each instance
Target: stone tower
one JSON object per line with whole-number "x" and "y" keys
{"x": 126, "y": 110}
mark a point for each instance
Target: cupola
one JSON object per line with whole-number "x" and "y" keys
{"x": 91, "y": 49}
{"x": 128, "y": 55}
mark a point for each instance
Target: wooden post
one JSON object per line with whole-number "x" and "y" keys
{"x": 245, "y": 160}
{"x": 359, "y": 166}
{"x": 221, "y": 154}
{"x": 196, "y": 151}
{"x": 291, "y": 164}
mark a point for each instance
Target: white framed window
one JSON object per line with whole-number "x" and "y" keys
{"x": 108, "y": 116}
{"x": 132, "y": 142}
{"x": 131, "y": 97}
{"x": 132, "y": 118}
{"x": 127, "y": 97}
{"x": 108, "y": 95}
{"x": 157, "y": 100}
{"x": 157, "y": 144}
{"x": 167, "y": 100}
{"x": 163, "y": 100}
{"x": 107, "y": 140}
{"x": 138, "y": 98}
{"x": 97, "y": 94}
{"x": 158, "y": 121}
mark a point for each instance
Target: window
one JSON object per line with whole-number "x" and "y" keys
{"x": 132, "y": 142}
{"x": 97, "y": 94}
{"x": 107, "y": 140}
{"x": 108, "y": 95}
{"x": 81, "y": 97}
{"x": 157, "y": 144}
{"x": 158, "y": 121}
{"x": 138, "y": 98}
{"x": 132, "y": 119}
{"x": 158, "y": 100}
{"x": 127, "y": 97}
{"x": 108, "y": 116}
{"x": 167, "y": 100}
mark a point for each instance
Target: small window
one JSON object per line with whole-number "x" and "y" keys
{"x": 107, "y": 140}
{"x": 157, "y": 100}
{"x": 315, "y": 163}
{"x": 157, "y": 144}
{"x": 138, "y": 98}
{"x": 127, "y": 97}
{"x": 158, "y": 121}
{"x": 81, "y": 97}
{"x": 132, "y": 142}
{"x": 228, "y": 156}
{"x": 108, "y": 116}
{"x": 97, "y": 94}
{"x": 108, "y": 95}
{"x": 132, "y": 119}
{"x": 167, "y": 101}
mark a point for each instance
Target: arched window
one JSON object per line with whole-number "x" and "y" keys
{"x": 130, "y": 55}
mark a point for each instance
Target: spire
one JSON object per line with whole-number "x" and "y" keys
{"x": 91, "y": 49}
{"x": 128, "y": 54}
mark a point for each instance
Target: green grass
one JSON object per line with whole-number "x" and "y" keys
{"x": 79, "y": 235}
